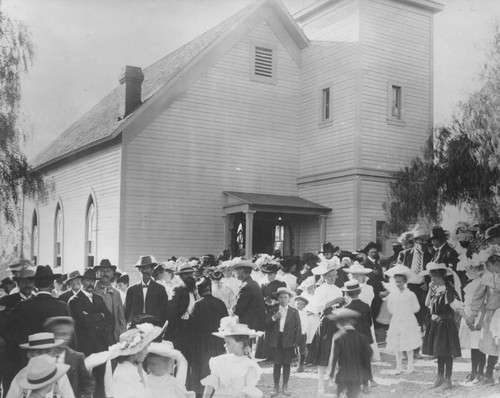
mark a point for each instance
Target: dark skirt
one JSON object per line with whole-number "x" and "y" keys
{"x": 441, "y": 338}
{"x": 262, "y": 349}
{"x": 321, "y": 346}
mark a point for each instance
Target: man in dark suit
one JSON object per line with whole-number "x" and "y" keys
{"x": 416, "y": 259}
{"x": 25, "y": 284}
{"x": 74, "y": 282}
{"x": 146, "y": 297}
{"x": 27, "y": 317}
{"x": 92, "y": 318}
{"x": 444, "y": 253}
{"x": 375, "y": 278}
{"x": 81, "y": 380}
{"x": 250, "y": 306}
{"x": 207, "y": 313}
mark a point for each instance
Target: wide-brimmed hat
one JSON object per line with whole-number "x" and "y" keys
{"x": 309, "y": 281}
{"x": 124, "y": 278}
{"x": 105, "y": 263}
{"x": 134, "y": 340}
{"x": 229, "y": 326}
{"x": 405, "y": 237}
{"x": 369, "y": 246}
{"x": 146, "y": 260}
{"x": 169, "y": 265}
{"x": 19, "y": 264}
{"x": 432, "y": 266}
{"x": 492, "y": 232}
{"x": 89, "y": 273}
{"x": 421, "y": 233}
{"x": 26, "y": 273}
{"x": 398, "y": 269}
{"x": 216, "y": 276}
{"x": 357, "y": 268}
{"x": 327, "y": 266}
{"x": 45, "y": 272}
{"x": 185, "y": 268}
{"x": 41, "y": 341}
{"x": 328, "y": 248}
{"x": 270, "y": 268}
{"x": 302, "y": 298}
{"x": 244, "y": 264}
{"x": 439, "y": 233}
{"x": 72, "y": 275}
{"x": 344, "y": 313}
{"x": 41, "y": 371}
{"x": 351, "y": 286}
{"x": 284, "y": 290}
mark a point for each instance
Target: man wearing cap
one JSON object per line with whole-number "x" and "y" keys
{"x": 146, "y": 296}
{"x": 25, "y": 284}
{"x": 38, "y": 373}
{"x": 74, "y": 282}
{"x": 207, "y": 313}
{"x": 250, "y": 306}
{"x": 416, "y": 259}
{"x": 112, "y": 299}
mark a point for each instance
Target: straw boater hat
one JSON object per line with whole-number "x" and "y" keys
{"x": 420, "y": 233}
{"x": 105, "y": 263}
{"x": 72, "y": 275}
{"x": 135, "y": 340}
{"x": 398, "y": 269}
{"x": 41, "y": 372}
{"x": 45, "y": 272}
{"x": 41, "y": 341}
{"x": 344, "y": 313}
{"x": 26, "y": 273}
{"x": 229, "y": 326}
{"x": 432, "y": 266}
{"x": 327, "y": 266}
{"x": 351, "y": 286}
{"x": 145, "y": 261}
{"x": 302, "y": 298}
{"x": 357, "y": 268}
{"x": 284, "y": 290}
{"x": 244, "y": 264}
{"x": 18, "y": 265}
{"x": 185, "y": 268}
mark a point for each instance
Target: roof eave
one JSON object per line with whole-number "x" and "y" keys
{"x": 290, "y": 24}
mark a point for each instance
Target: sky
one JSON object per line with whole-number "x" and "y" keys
{"x": 82, "y": 45}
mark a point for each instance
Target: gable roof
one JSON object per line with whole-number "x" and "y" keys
{"x": 104, "y": 121}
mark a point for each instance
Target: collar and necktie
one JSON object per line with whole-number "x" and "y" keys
{"x": 145, "y": 287}
{"x": 419, "y": 260}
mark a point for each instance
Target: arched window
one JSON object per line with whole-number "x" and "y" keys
{"x": 58, "y": 236}
{"x": 34, "y": 238}
{"x": 90, "y": 233}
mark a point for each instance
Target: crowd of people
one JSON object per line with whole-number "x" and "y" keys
{"x": 200, "y": 326}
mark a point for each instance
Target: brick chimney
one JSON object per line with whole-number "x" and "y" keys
{"x": 131, "y": 81}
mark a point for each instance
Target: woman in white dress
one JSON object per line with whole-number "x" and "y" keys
{"x": 235, "y": 374}
{"x": 129, "y": 379}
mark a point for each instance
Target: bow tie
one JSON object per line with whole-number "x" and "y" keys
{"x": 145, "y": 286}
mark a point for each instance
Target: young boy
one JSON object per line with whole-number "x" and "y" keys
{"x": 284, "y": 332}
{"x": 363, "y": 323}
{"x": 351, "y": 352}
{"x": 300, "y": 303}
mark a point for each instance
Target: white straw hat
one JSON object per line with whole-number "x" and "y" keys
{"x": 41, "y": 371}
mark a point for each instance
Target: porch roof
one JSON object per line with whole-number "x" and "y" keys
{"x": 237, "y": 202}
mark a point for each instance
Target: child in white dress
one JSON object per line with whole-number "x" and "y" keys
{"x": 235, "y": 374}
{"x": 404, "y": 333}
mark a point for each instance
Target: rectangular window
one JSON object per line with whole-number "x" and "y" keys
{"x": 263, "y": 63}
{"x": 381, "y": 235}
{"x": 325, "y": 105}
{"x": 396, "y": 102}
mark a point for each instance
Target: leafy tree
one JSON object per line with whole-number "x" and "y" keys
{"x": 17, "y": 178}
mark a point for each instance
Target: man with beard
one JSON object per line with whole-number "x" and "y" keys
{"x": 146, "y": 297}
{"x": 181, "y": 309}
{"x": 74, "y": 282}
{"x": 25, "y": 284}
{"x": 93, "y": 321}
{"x": 111, "y": 298}
{"x": 207, "y": 313}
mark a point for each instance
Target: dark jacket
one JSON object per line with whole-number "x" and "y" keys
{"x": 65, "y": 296}
{"x": 406, "y": 257}
{"x": 447, "y": 255}
{"x": 364, "y": 321}
{"x": 179, "y": 329}
{"x": 80, "y": 378}
{"x": 156, "y": 301}
{"x": 92, "y": 322}
{"x": 292, "y": 332}
{"x": 250, "y": 305}
{"x": 10, "y": 301}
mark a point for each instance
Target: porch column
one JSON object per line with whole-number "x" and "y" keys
{"x": 249, "y": 233}
{"x": 322, "y": 229}
{"x": 225, "y": 242}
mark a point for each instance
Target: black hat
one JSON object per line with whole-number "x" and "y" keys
{"x": 146, "y": 260}
{"x": 89, "y": 274}
{"x": 270, "y": 268}
{"x": 105, "y": 263}
{"x": 328, "y": 248}
{"x": 439, "y": 233}
{"x": 45, "y": 272}
{"x": 6, "y": 281}
{"x": 492, "y": 232}
{"x": 370, "y": 246}
{"x": 204, "y": 284}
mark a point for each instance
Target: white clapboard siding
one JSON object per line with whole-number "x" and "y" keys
{"x": 396, "y": 47}
{"x": 329, "y": 62}
{"x": 339, "y": 196}
{"x": 98, "y": 174}
{"x": 225, "y": 133}
{"x": 373, "y": 195}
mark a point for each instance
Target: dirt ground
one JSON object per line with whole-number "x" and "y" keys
{"x": 417, "y": 384}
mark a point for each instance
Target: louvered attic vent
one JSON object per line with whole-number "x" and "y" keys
{"x": 264, "y": 64}
{"x": 264, "y": 61}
